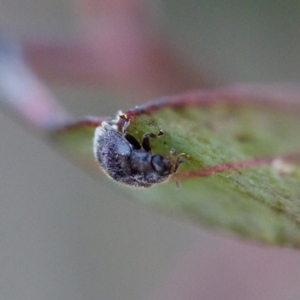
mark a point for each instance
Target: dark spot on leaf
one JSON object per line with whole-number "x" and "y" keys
{"x": 244, "y": 137}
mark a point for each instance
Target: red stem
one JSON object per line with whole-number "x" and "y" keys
{"x": 87, "y": 121}
{"x": 239, "y": 165}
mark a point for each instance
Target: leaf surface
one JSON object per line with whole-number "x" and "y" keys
{"x": 243, "y": 174}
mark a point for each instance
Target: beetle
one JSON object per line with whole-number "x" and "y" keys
{"x": 123, "y": 158}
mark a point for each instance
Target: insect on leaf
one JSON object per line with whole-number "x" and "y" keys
{"x": 242, "y": 173}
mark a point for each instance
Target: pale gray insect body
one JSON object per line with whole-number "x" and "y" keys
{"x": 125, "y": 160}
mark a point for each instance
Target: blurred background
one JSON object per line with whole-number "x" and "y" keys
{"x": 64, "y": 235}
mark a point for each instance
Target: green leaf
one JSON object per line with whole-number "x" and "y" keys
{"x": 243, "y": 174}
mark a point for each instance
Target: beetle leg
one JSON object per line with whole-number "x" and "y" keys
{"x": 131, "y": 139}
{"x": 179, "y": 160}
{"x": 146, "y": 139}
{"x": 125, "y": 126}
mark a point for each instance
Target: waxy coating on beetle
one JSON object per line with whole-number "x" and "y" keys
{"x": 127, "y": 161}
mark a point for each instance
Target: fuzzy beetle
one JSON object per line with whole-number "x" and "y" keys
{"x": 127, "y": 161}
